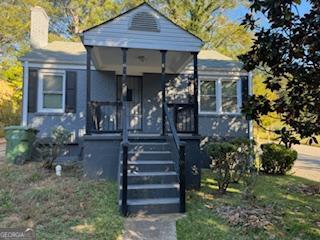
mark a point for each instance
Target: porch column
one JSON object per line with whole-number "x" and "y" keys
{"x": 195, "y": 92}
{"x": 163, "y": 81}
{"x": 88, "y": 110}
{"x": 124, "y": 89}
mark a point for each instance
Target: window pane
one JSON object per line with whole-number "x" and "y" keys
{"x": 229, "y": 96}
{"x": 52, "y": 83}
{"x": 229, "y": 88}
{"x": 229, "y": 104}
{"x": 52, "y": 101}
{"x": 208, "y": 88}
{"x": 208, "y": 103}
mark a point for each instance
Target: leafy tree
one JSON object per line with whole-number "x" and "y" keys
{"x": 288, "y": 52}
{"x": 78, "y": 15}
{"x": 15, "y": 22}
{"x": 9, "y": 109}
{"x": 205, "y": 19}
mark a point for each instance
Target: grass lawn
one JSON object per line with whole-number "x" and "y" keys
{"x": 292, "y": 213}
{"x": 67, "y": 207}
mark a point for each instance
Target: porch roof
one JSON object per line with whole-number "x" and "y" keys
{"x": 74, "y": 53}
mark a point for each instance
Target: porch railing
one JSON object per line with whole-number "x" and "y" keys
{"x": 183, "y": 117}
{"x": 178, "y": 154}
{"x": 106, "y": 117}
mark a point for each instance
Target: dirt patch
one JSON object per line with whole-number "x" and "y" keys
{"x": 309, "y": 190}
{"x": 247, "y": 217}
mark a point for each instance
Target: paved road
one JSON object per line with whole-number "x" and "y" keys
{"x": 308, "y": 163}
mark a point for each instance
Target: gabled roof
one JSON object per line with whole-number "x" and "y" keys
{"x": 136, "y": 7}
{"x": 118, "y": 32}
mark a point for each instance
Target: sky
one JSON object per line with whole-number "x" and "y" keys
{"x": 238, "y": 13}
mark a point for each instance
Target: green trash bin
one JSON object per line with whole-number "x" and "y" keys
{"x": 19, "y": 143}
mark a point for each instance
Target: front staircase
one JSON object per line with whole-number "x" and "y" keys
{"x": 153, "y": 181}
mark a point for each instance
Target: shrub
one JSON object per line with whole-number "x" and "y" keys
{"x": 51, "y": 148}
{"x": 276, "y": 158}
{"x": 242, "y": 157}
{"x": 223, "y": 158}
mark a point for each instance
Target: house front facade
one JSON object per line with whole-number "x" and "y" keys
{"x": 139, "y": 97}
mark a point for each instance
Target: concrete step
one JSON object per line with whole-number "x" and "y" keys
{"x": 142, "y": 191}
{"x": 152, "y": 178}
{"x": 149, "y": 155}
{"x": 153, "y": 206}
{"x": 149, "y": 146}
{"x": 150, "y": 166}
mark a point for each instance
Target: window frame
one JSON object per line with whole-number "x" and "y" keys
{"x": 218, "y": 82}
{"x": 216, "y": 95}
{"x": 41, "y": 108}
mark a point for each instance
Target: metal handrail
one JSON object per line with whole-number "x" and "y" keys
{"x": 125, "y": 147}
{"x": 179, "y": 146}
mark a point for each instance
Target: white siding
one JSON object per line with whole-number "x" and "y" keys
{"x": 116, "y": 33}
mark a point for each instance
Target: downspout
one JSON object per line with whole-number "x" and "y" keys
{"x": 24, "y": 119}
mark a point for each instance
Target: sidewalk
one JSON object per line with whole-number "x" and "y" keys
{"x": 153, "y": 227}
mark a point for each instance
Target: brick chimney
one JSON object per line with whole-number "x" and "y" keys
{"x": 39, "y": 27}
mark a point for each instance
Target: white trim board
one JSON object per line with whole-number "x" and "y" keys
{"x": 24, "y": 120}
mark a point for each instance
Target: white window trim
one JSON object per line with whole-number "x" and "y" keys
{"x": 40, "y": 107}
{"x": 218, "y": 82}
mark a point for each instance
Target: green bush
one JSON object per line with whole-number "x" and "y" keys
{"x": 277, "y": 159}
{"x": 242, "y": 157}
{"x": 223, "y": 158}
{"x": 49, "y": 149}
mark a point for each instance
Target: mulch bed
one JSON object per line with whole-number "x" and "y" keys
{"x": 247, "y": 216}
{"x": 309, "y": 190}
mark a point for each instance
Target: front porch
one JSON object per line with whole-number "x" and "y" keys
{"x": 143, "y": 53}
{"x": 144, "y": 93}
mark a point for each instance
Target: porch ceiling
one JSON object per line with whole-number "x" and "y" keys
{"x": 139, "y": 61}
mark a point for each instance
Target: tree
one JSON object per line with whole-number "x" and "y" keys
{"x": 288, "y": 52}
{"x": 205, "y": 19}
{"x": 9, "y": 109}
{"x": 78, "y": 15}
{"x": 15, "y": 23}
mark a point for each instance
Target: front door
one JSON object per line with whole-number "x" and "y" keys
{"x": 135, "y": 105}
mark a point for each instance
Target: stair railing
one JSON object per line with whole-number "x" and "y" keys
{"x": 125, "y": 147}
{"x": 178, "y": 150}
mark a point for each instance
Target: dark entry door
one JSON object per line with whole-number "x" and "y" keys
{"x": 135, "y": 105}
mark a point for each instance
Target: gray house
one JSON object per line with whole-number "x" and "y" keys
{"x": 139, "y": 97}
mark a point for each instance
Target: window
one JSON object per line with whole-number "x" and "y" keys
{"x": 51, "y": 91}
{"x": 229, "y": 101}
{"x": 208, "y": 96}
{"x": 220, "y": 96}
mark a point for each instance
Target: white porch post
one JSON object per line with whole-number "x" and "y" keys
{"x": 24, "y": 119}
